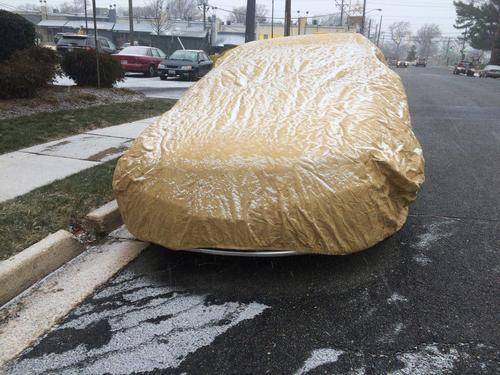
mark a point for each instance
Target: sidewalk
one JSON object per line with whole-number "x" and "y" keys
{"x": 30, "y": 168}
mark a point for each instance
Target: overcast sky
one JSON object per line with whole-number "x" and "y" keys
{"x": 417, "y": 12}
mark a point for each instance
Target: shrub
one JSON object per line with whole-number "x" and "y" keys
{"x": 80, "y": 66}
{"x": 26, "y": 71}
{"x": 17, "y": 33}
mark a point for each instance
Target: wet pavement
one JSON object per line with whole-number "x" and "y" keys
{"x": 424, "y": 301}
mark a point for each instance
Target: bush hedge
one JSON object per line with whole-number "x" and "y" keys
{"x": 16, "y": 32}
{"x": 80, "y": 65}
{"x": 26, "y": 71}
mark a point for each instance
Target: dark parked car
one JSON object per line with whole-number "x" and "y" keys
{"x": 69, "y": 42}
{"x": 464, "y": 67}
{"x": 189, "y": 64}
{"x": 140, "y": 59}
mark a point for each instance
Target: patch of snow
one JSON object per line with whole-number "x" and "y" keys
{"x": 318, "y": 358}
{"x": 396, "y": 298}
{"x": 153, "y": 327}
{"x": 429, "y": 360}
{"x": 435, "y": 232}
{"x": 422, "y": 259}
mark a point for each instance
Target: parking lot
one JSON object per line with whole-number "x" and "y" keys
{"x": 424, "y": 301}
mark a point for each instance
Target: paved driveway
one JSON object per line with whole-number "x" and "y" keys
{"x": 424, "y": 301}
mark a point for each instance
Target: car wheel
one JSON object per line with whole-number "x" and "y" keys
{"x": 163, "y": 78}
{"x": 151, "y": 72}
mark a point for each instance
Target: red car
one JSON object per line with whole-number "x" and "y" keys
{"x": 140, "y": 59}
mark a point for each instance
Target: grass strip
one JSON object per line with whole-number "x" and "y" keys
{"x": 29, "y": 218}
{"x": 25, "y": 131}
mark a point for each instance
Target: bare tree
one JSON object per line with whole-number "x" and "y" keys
{"x": 399, "y": 31}
{"x": 74, "y": 6}
{"x": 330, "y": 20}
{"x": 425, "y": 39}
{"x": 239, "y": 14}
{"x": 157, "y": 10}
{"x": 29, "y": 7}
{"x": 183, "y": 9}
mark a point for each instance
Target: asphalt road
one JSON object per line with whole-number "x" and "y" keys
{"x": 424, "y": 301}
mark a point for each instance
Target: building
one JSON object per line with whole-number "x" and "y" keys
{"x": 174, "y": 35}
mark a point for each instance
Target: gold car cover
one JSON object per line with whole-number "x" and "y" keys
{"x": 300, "y": 143}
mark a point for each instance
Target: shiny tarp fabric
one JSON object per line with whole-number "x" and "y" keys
{"x": 301, "y": 143}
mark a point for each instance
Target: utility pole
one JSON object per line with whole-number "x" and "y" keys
{"x": 272, "y": 20}
{"x": 204, "y": 3}
{"x": 96, "y": 45}
{"x": 250, "y": 22}
{"x": 369, "y": 28}
{"x": 288, "y": 17}
{"x": 379, "y": 28}
{"x": 342, "y": 13}
{"x": 364, "y": 18}
{"x": 130, "y": 22}
{"x": 447, "y": 51}
{"x": 86, "y": 23}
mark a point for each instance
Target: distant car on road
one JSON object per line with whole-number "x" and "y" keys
{"x": 402, "y": 64}
{"x": 492, "y": 71}
{"x": 421, "y": 61}
{"x": 189, "y": 64}
{"x": 464, "y": 67}
{"x": 68, "y": 42}
{"x": 140, "y": 59}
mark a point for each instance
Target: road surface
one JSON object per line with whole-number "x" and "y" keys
{"x": 424, "y": 301}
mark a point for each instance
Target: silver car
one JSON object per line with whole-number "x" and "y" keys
{"x": 490, "y": 71}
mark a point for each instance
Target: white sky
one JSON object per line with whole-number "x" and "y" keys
{"x": 417, "y": 12}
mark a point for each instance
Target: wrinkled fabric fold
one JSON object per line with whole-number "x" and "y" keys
{"x": 300, "y": 143}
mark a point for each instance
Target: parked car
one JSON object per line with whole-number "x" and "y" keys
{"x": 492, "y": 71}
{"x": 421, "y": 61}
{"x": 464, "y": 67}
{"x": 69, "y": 42}
{"x": 140, "y": 59}
{"x": 189, "y": 64}
{"x": 402, "y": 64}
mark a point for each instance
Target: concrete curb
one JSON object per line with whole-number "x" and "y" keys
{"x": 105, "y": 219}
{"x": 32, "y": 264}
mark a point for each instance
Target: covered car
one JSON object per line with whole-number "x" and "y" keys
{"x": 300, "y": 143}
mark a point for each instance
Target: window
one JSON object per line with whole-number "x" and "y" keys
{"x": 155, "y": 52}
{"x": 104, "y": 43}
{"x": 149, "y": 53}
{"x": 266, "y": 36}
{"x": 162, "y": 54}
{"x": 184, "y": 55}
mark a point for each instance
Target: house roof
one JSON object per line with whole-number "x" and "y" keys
{"x": 100, "y": 25}
{"x": 52, "y": 23}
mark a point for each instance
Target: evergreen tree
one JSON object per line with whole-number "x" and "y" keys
{"x": 412, "y": 53}
{"x": 479, "y": 21}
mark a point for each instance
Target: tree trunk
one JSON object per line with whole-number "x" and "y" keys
{"x": 495, "y": 50}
